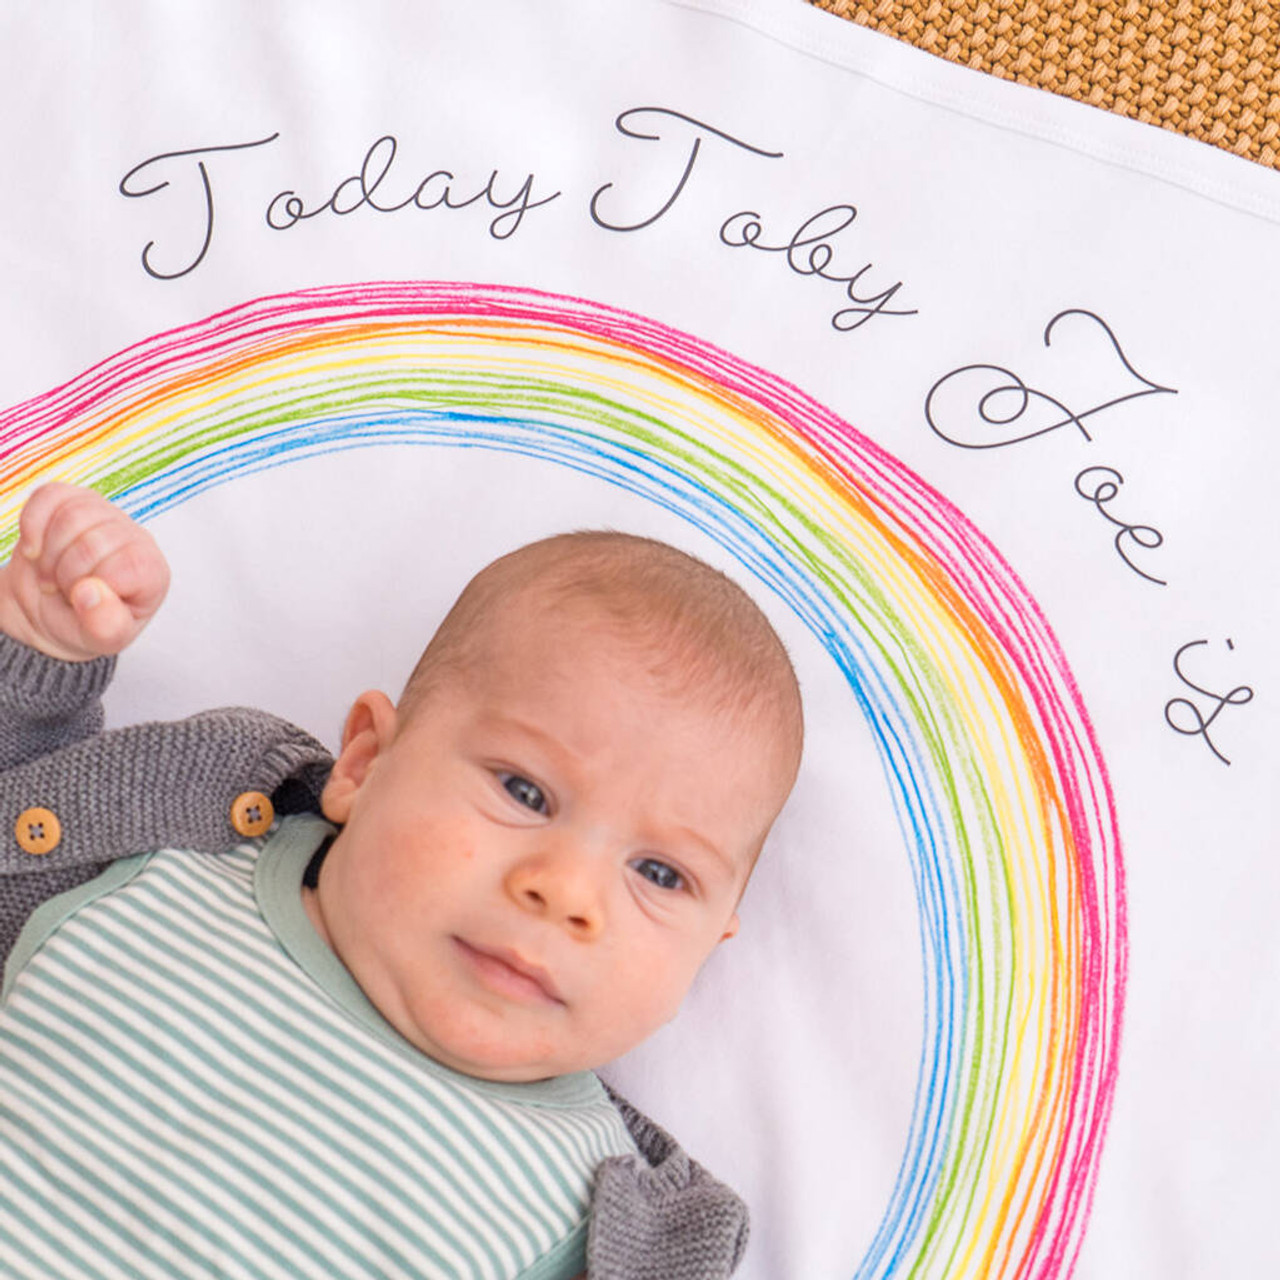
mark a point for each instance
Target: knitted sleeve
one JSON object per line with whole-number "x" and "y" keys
{"x": 129, "y": 790}
{"x": 46, "y": 704}
{"x": 661, "y": 1215}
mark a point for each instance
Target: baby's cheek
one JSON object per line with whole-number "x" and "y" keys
{"x": 423, "y": 848}
{"x": 659, "y": 989}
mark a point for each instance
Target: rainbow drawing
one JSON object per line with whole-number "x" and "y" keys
{"x": 1000, "y": 789}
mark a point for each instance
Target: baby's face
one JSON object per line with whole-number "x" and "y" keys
{"x": 532, "y": 871}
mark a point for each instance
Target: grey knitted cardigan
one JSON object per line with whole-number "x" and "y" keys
{"x": 659, "y": 1216}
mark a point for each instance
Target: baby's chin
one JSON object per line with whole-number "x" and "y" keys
{"x": 501, "y": 1064}
{"x": 487, "y": 1047}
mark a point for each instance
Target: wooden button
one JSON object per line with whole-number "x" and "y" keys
{"x": 252, "y": 813}
{"x": 38, "y": 831}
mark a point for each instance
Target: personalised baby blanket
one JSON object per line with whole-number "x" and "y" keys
{"x": 971, "y": 387}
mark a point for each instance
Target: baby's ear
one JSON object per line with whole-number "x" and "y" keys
{"x": 369, "y": 730}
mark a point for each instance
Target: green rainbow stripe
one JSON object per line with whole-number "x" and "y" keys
{"x": 1000, "y": 788}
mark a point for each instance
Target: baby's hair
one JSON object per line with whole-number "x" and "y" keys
{"x": 697, "y": 631}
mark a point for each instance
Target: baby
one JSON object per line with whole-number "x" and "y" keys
{"x": 525, "y": 862}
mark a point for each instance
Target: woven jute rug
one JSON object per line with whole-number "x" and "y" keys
{"x": 1210, "y": 70}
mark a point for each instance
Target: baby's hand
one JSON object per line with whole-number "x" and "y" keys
{"x": 84, "y": 578}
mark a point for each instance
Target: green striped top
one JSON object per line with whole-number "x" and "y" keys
{"x": 192, "y": 1085}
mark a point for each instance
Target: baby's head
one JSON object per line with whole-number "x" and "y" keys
{"x": 550, "y": 833}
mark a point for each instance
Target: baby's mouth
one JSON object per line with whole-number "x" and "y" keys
{"x": 506, "y": 972}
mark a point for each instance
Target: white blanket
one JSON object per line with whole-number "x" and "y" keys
{"x": 973, "y": 387}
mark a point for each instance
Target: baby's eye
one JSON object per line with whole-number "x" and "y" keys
{"x": 659, "y": 873}
{"x": 524, "y": 792}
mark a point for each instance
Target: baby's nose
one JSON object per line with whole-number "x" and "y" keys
{"x": 562, "y": 890}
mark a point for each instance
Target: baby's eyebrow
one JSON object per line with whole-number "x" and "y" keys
{"x": 501, "y": 720}
{"x": 696, "y": 837}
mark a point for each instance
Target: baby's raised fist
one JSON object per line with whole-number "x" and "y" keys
{"x": 84, "y": 578}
